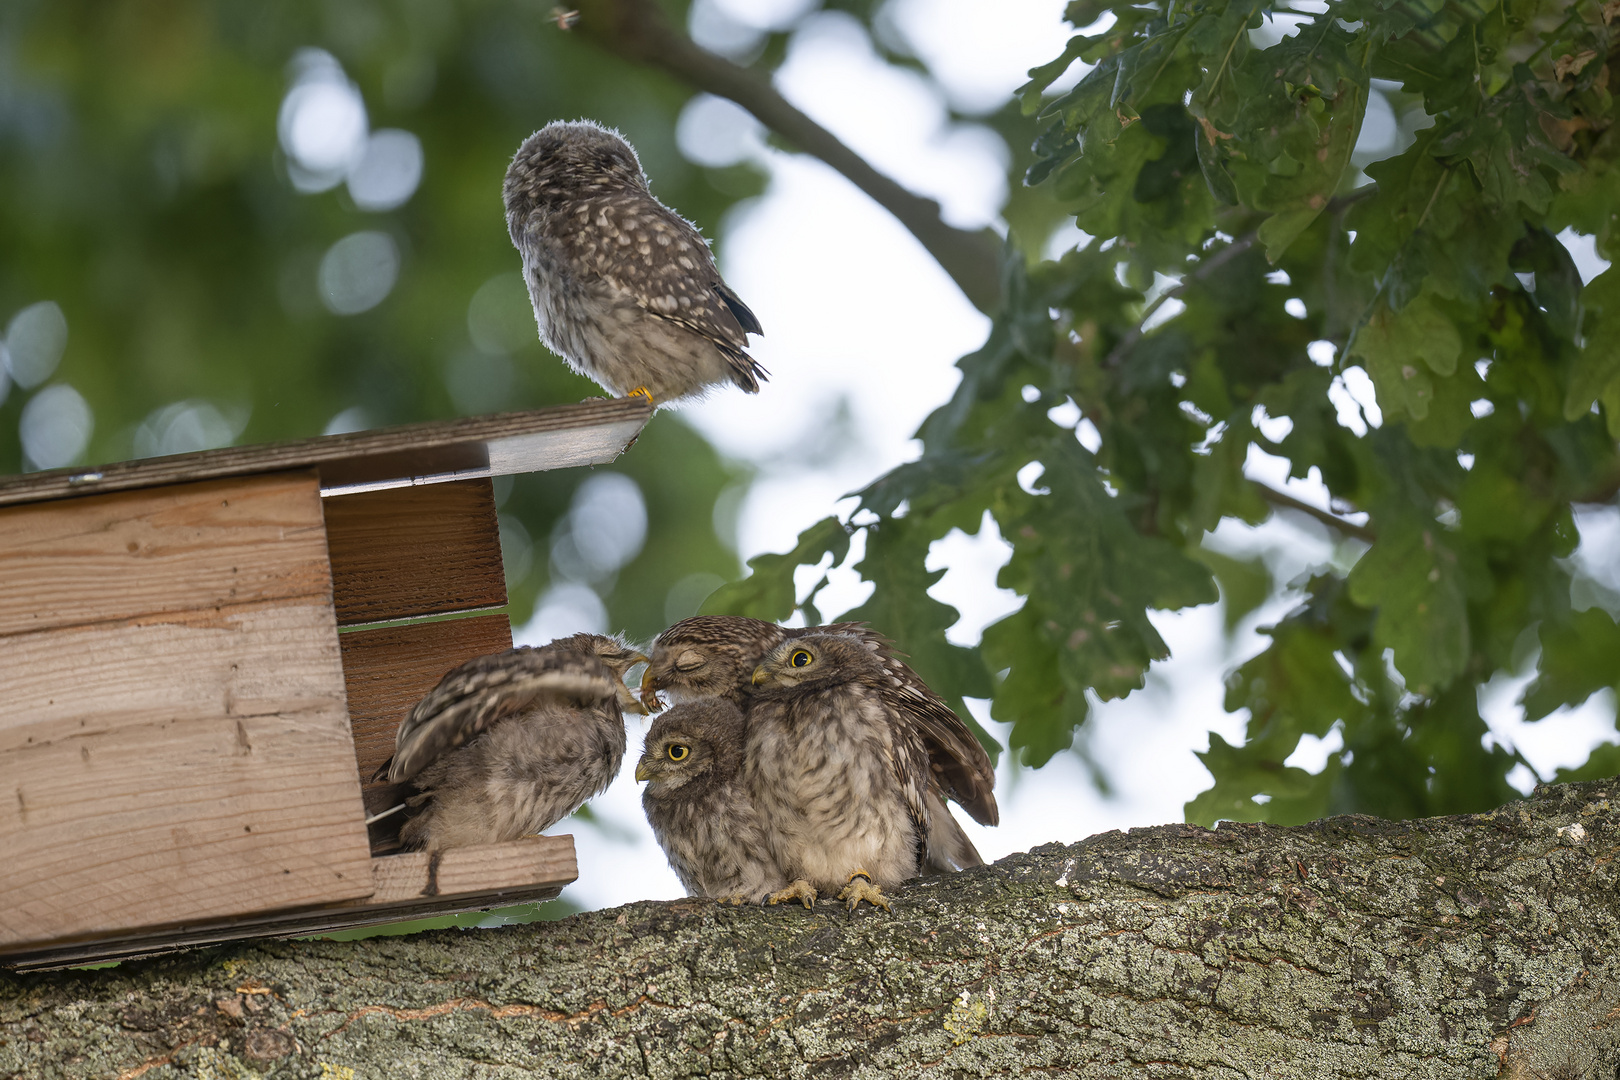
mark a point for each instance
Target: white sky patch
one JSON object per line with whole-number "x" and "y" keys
{"x": 1562, "y": 739}
{"x": 832, "y": 73}
{"x": 55, "y": 427}
{"x": 980, "y": 52}
{"x": 1582, "y": 248}
{"x": 971, "y": 562}
{"x": 1313, "y": 752}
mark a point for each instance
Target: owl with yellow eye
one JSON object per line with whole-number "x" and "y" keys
{"x": 698, "y": 803}
{"x": 715, "y": 656}
{"x": 838, "y": 774}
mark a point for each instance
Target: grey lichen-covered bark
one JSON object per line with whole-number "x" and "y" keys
{"x": 1471, "y": 946}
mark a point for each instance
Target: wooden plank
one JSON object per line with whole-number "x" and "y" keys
{"x": 190, "y": 759}
{"x": 415, "y": 551}
{"x": 194, "y": 549}
{"x": 473, "y": 871}
{"x": 590, "y": 433}
{"x": 531, "y": 869}
{"x": 388, "y": 669}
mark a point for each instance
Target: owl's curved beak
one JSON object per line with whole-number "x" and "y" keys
{"x": 761, "y": 676}
{"x": 650, "y": 700}
{"x": 644, "y": 771}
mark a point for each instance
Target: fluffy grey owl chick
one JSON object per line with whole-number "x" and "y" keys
{"x": 840, "y": 777}
{"x": 715, "y": 656}
{"x": 623, "y": 287}
{"x": 698, "y": 805}
{"x": 508, "y": 744}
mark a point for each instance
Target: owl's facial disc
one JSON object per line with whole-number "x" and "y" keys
{"x": 669, "y": 764}
{"x": 786, "y": 666}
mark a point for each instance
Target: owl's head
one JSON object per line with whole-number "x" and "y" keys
{"x": 617, "y": 655}
{"x": 570, "y": 156}
{"x": 817, "y": 660}
{"x": 706, "y": 656}
{"x": 697, "y": 741}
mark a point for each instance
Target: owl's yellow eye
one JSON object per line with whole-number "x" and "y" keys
{"x": 800, "y": 658}
{"x": 679, "y": 752}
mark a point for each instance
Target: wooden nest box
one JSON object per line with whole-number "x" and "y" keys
{"x": 187, "y": 718}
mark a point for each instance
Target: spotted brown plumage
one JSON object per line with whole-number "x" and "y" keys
{"x": 698, "y": 804}
{"x": 715, "y": 656}
{"x": 508, "y": 744}
{"x": 623, "y": 288}
{"x": 839, "y": 774}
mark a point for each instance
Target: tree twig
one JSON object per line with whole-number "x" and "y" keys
{"x": 637, "y": 30}
{"x": 1332, "y": 521}
{"x": 1116, "y": 355}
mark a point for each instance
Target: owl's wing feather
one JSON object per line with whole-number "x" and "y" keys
{"x": 956, "y": 760}
{"x": 655, "y": 256}
{"x": 908, "y": 762}
{"x": 646, "y": 251}
{"x": 744, "y": 315}
{"x": 477, "y": 694}
{"x": 949, "y": 848}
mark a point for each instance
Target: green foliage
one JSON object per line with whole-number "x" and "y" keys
{"x": 1211, "y": 151}
{"x": 147, "y": 194}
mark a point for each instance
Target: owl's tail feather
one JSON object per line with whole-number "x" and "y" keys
{"x": 947, "y": 848}
{"x": 746, "y": 372}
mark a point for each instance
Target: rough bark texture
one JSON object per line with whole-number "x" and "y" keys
{"x": 1471, "y": 946}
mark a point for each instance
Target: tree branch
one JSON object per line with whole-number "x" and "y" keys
{"x": 1206, "y": 267}
{"x": 638, "y": 31}
{"x": 1457, "y": 947}
{"x": 1332, "y": 521}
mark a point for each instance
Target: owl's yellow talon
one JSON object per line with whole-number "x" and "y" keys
{"x": 641, "y": 392}
{"x": 800, "y": 890}
{"x": 860, "y": 888}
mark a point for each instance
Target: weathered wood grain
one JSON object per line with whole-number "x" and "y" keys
{"x": 533, "y": 862}
{"x": 388, "y": 669}
{"x": 174, "y": 744}
{"x": 409, "y": 552}
{"x": 523, "y": 871}
{"x": 193, "y": 548}
{"x": 590, "y": 433}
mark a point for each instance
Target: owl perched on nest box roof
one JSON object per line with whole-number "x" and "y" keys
{"x": 510, "y": 743}
{"x": 623, "y": 287}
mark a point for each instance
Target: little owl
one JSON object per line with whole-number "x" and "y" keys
{"x": 838, "y": 774}
{"x": 623, "y": 287}
{"x": 698, "y": 804}
{"x": 508, "y": 744}
{"x": 715, "y": 655}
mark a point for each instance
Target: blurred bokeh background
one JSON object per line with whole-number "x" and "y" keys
{"x": 225, "y": 223}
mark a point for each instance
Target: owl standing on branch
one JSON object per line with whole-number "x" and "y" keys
{"x": 838, "y": 774}
{"x": 509, "y": 744}
{"x": 715, "y": 656}
{"x": 699, "y": 807}
{"x": 624, "y": 288}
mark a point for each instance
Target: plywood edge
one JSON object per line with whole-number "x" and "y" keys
{"x": 423, "y": 453}
{"x": 532, "y": 861}
{"x": 532, "y": 869}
